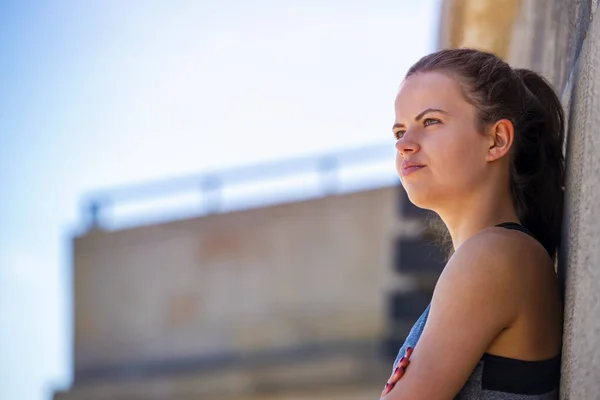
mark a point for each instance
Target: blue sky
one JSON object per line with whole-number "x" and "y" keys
{"x": 95, "y": 94}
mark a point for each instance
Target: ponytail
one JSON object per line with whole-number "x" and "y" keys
{"x": 537, "y": 161}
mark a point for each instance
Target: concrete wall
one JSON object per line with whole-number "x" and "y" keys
{"x": 561, "y": 40}
{"x": 276, "y": 277}
{"x": 582, "y": 231}
{"x": 182, "y": 305}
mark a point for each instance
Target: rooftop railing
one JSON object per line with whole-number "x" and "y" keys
{"x": 226, "y": 190}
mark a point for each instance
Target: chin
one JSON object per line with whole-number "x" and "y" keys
{"x": 420, "y": 198}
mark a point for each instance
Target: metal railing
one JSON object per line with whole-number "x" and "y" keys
{"x": 210, "y": 186}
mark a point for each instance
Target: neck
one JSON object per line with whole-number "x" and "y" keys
{"x": 477, "y": 212}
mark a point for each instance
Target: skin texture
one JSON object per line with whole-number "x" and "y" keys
{"x": 498, "y": 293}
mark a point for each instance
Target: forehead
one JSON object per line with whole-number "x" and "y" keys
{"x": 429, "y": 90}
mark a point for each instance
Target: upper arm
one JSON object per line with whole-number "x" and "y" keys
{"x": 474, "y": 300}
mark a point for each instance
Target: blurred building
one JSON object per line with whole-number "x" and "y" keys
{"x": 312, "y": 298}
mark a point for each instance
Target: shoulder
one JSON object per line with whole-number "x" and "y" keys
{"x": 493, "y": 255}
{"x": 484, "y": 274}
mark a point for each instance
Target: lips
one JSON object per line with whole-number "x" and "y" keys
{"x": 408, "y": 167}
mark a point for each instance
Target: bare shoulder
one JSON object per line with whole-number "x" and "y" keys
{"x": 492, "y": 265}
{"x": 499, "y": 251}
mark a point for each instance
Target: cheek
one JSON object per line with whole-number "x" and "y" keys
{"x": 459, "y": 162}
{"x": 455, "y": 156}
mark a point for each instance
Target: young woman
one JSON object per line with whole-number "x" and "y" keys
{"x": 480, "y": 144}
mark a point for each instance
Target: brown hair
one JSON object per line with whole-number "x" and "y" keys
{"x": 537, "y": 165}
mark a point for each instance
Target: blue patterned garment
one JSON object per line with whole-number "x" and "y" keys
{"x": 413, "y": 336}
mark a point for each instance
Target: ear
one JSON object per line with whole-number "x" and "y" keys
{"x": 500, "y": 136}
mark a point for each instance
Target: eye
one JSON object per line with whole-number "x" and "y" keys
{"x": 431, "y": 121}
{"x": 398, "y": 134}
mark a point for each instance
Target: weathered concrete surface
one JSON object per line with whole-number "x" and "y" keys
{"x": 581, "y": 352}
{"x": 156, "y": 306}
{"x": 543, "y": 35}
{"x": 478, "y": 23}
{"x": 548, "y": 36}
{"x": 261, "y": 279}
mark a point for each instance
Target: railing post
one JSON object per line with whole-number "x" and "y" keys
{"x": 94, "y": 208}
{"x": 211, "y": 186}
{"x": 327, "y": 169}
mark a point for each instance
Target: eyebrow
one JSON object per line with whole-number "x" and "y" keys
{"x": 421, "y": 115}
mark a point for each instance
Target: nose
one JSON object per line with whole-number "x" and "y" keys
{"x": 406, "y": 146}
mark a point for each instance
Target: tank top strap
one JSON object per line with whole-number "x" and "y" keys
{"x": 518, "y": 227}
{"x": 515, "y": 226}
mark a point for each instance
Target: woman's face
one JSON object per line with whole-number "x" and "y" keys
{"x": 436, "y": 128}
